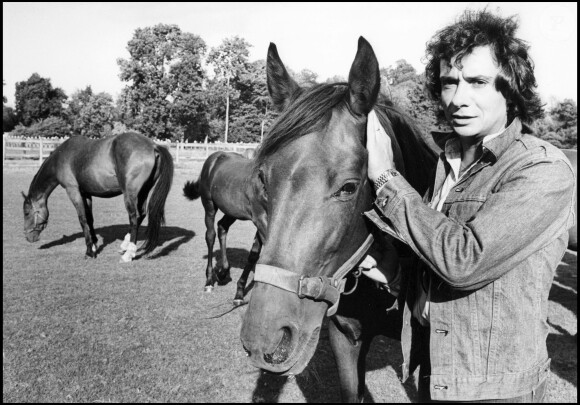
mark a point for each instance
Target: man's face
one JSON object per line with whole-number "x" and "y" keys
{"x": 470, "y": 100}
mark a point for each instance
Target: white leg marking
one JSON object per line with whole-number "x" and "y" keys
{"x": 125, "y": 243}
{"x": 129, "y": 254}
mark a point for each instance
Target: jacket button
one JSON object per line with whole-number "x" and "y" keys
{"x": 459, "y": 189}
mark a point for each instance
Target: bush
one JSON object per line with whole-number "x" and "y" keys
{"x": 50, "y": 127}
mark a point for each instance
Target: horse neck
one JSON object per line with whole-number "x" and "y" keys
{"x": 44, "y": 181}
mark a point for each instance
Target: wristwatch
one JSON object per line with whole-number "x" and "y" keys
{"x": 384, "y": 178}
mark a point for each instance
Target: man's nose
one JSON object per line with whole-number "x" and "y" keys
{"x": 461, "y": 96}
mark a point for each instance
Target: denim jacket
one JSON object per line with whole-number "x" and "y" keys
{"x": 492, "y": 253}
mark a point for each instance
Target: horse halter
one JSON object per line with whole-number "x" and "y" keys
{"x": 322, "y": 288}
{"x": 36, "y": 213}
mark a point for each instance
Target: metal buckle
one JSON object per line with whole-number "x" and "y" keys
{"x": 299, "y": 290}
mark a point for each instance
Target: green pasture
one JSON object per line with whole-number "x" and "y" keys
{"x": 77, "y": 330}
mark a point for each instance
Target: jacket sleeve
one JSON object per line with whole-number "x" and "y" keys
{"x": 529, "y": 210}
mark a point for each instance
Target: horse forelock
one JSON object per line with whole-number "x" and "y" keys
{"x": 310, "y": 112}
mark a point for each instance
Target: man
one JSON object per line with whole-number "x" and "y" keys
{"x": 490, "y": 231}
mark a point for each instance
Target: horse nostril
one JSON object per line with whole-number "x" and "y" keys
{"x": 282, "y": 352}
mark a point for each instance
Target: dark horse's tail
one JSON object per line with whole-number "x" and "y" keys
{"x": 156, "y": 205}
{"x": 191, "y": 190}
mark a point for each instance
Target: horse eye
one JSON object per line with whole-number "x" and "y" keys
{"x": 346, "y": 190}
{"x": 263, "y": 180}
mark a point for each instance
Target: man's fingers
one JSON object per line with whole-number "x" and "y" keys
{"x": 375, "y": 274}
{"x": 368, "y": 262}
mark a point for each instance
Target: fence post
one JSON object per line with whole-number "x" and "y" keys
{"x": 206, "y": 148}
{"x": 177, "y": 152}
{"x": 40, "y": 151}
{"x": 3, "y": 149}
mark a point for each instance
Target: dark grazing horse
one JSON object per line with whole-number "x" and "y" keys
{"x": 227, "y": 183}
{"x": 313, "y": 170}
{"x": 129, "y": 164}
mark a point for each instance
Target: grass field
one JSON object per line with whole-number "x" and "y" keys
{"x": 77, "y": 330}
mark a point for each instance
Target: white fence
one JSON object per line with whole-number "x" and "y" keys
{"x": 35, "y": 150}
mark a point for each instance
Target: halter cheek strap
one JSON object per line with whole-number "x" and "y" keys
{"x": 322, "y": 288}
{"x": 36, "y": 213}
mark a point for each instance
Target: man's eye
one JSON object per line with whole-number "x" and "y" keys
{"x": 478, "y": 84}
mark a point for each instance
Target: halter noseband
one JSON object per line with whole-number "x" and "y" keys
{"x": 36, "y": 213}
{"x": 318, "y": 287}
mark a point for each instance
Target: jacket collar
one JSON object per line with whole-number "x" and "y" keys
{"x": 497, "y": 146}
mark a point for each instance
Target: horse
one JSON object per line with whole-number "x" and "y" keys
{"x": 226, "y": 183}
{"x": 129, "y": 164}
{"x": 313, "y": 172}
{"x": 572, "y": 155}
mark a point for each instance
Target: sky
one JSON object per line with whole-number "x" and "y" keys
{"x": 78, "y": 44}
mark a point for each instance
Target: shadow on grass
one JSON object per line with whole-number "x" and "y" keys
{"x": 116, "y": 233}
{"x": 562, "y": 346}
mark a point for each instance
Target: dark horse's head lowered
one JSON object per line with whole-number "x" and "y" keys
{"x": 313, "y": 166}
{"x": 35, "y": 217}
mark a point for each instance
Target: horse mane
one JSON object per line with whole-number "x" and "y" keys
{"x": 310, "y": 112}
{"x": 38, "y": 177}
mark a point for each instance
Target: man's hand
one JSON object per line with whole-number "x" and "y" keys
{"x": 381, "y": 265}
{"x": 379, "y": 148}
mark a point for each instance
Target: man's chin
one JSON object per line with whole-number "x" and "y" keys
{"x": 464, "y": 130}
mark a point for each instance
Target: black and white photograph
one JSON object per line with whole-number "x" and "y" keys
{"x": 290, "y": 202}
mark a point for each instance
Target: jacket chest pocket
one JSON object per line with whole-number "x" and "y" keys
{"x": 464, "y": 208}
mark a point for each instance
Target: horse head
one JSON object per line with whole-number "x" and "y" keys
{"x": 35, "y": 217}
{"x": 312, "y": 169}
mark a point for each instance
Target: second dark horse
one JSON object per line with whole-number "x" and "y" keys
{"x": 226, "y": 183}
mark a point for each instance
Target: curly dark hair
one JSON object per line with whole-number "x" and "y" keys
{"x": 516, "y": 80}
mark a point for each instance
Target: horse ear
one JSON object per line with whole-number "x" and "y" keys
{"x": 282, "y": 88}
{"x": 364, "y": 79}
{"x": 24, "y": 195}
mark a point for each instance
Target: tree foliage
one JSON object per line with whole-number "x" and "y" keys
{"x": 164, "y": 98}
{"x": 50, "y": 127}
{"x": 36, "y": 100}
{"x": 8, "y": 119}
{"x": 560, "y": 126}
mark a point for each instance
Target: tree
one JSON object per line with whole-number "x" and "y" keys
{"x": 306, "y": 78}
{"x": 560, "y": 126}
{"x": 228, "y": 60}
{"x": 336, "y": 79}
{"x": 36, "y": 99}
{"x": 566, "y": 113}
{"x": 8, "y": 119}
{"x": 252, "y": 112}
{"x": 96, "y": 117}
{"x": 164, "y": 98}
{"x": 78, "y": 101}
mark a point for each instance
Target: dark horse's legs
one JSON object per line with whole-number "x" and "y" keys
{"x": 252, "y": 259}
{"x": 210, "y": 212}
{"x": 88, "y": 200}
{"x": 223, "y": 276}
{"x": 351, "y": 360}
{"x": 79, "y": 202}
{"x": 136, "y": 209}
